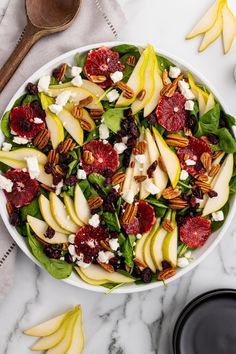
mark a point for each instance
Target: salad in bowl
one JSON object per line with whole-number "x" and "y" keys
{"x": 117, "y": 167}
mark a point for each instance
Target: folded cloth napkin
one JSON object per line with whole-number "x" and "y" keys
{"x": 97, "y": 21}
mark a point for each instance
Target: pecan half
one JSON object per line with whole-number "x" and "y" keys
{"x": 216, "y": 154}
{"x": 85, "y": 125}
{"x": 95, "y": 202}
{"x": 141, "y": 147}
{"x": 140, "y": 178}
{"x": 59, "y": 72}
{"x": 204, "y": 138}
{"x": 85, "y": 101}
{"x": 108, "y": 267}
{"x": 129, "y": 213}
{"x": 204, "y": 186}
{"x": 166, "y": 273}
{"x": 131, "y": 60}
{"x": 57, "y": 170}
{"x": 139, "y": 263}
{"x": 165, "y": 77}
{"x": 97, "y": 78}
{"x": 214, "y": 170}
{"x": 177, "y": 203}
{"x": 88, "y": 157}
{"x": 10, "y": 208}
{"x": 141, "y": 95}
{"x": 127, "y": 91}
{"x": 77, "y": 111}
{"x": 47, "y": 188}
{"x": 167, "y": 225}
{"x": 201, "y": 177}
{"x": 66, "y": 145}
{"x": 105, "y": 245}
{"x": 53, "y": 156}
{"x": 96, "y": 113}
{"x": 169, "y": 89}
{"x": 177, "y": 140}
{"x": 41, "y": 139}
{"x": 170, "y": 193}
{"x": 206, "y": 160}
{"x": 118, "y": 178}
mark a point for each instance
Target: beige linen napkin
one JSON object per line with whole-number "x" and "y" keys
{"x": 98, "y": 20}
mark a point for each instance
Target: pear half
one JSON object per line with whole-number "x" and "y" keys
{"x": 40, "y": 227}
{"x": 77, "y": 343}
{"x": 229, "y": 27}
{"x": 72, "y": 125}
{"x": 55, "y": 128}
{"x": 46, "y": 328}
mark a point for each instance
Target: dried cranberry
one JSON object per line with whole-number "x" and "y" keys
{"x": 152, "y": 119}
{"x": 15, "y": 218}
{"x": 48, "y": 168}
{"x": 198, "y": 193}
{"x": 147, "y": 275}
{"x": 66, "y": 158}
{"x": 71, "y": 181}
{"x": 115, "y": 262}
{"x": 107, "y": 172}
{"x": 107, "y": 181}
{"x": 48, "y": 251}
{"x": 186, "y": 197}
{"x": 214, "y": 139}
{"x": 165, "y": 265}
{"x": 151, "y": 169}
{"x": 56, "y": 254}
{"x": 31, "y": 88}
{"x": 180, "y": 220}
{"x": 119, "y": 137}
{"x": 193, "y": 202}
{"x": 126, "y": 157}
{"x": 131, "y": 142}
{"x": 137, "y": 272}
{"x": 212, "y": 194}
{"x": 190, "y": 122}
{"x": 49, "y": 233}
{"x": 68, "y": 258}
{"x": 124, "y": 124}
{"x": 56, "y": 179}
{"x": 56, "y": 72}
{"x": 87, "y": 258}
{"x": 199, "y": 166}
{"x": 133, "y": 129}
{"x": 38, "y": 109}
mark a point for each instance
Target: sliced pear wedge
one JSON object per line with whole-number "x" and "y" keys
{"x": 40, "y": 227}
{"x": 229, "y": 28}
{"x": 21, "y": 153}
{"x": 46, "y": 328}
{"x": 200, "y": 94}
{"x": 55, "y": 128}
{"x": 87, "y": 85}
{"x": 147, "y": 247}
{"x": 128, "y": 177}
{"x": 88, "y": 280}
{"x": 77, "y": 343}
{"x": 72, "y": 125}
{"x": 82, "y": 209}
{"x": 210, "y": 103}
{"x": 71, "y": 210}
{"x": 139, "y": 247}
{"x": 170, "y": 244}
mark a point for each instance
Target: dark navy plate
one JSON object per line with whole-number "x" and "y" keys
{"x": 207, "y": 325}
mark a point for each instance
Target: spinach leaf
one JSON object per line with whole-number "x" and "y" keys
{"x": 229, "y": 120}
{"x": 232, "y": 185}
{"x": 209, "y": 122}
{"x": 5, "y": 125}
{"x": 71, "y": 166}
{"x": 71, "y": 191}
{"x": 125, "y": 48}
{"x": 45, "y": 100}
{"x": 97, "y": 179}
{"x": 127, "y": 250}
{"x": 164, "y": 63}
{"x": 30, "y": 98}
{"x": 19, "y": 100}
{"x": 128, "y": 68}
{"x": 157, "y": 203}
{"x": 3, "y": 167}
{"x": 227, "y": 142}
{"x": 112, "y": 118}
{"x": 22, "y": 230}
{"x": 215, "y": 225}
{"x": 31, "y": 209}
{"x": 111, "y": 220}
{"x": 85, "y": 187}
{"x": 80, "y": 59}
{"x": 160, "y": 212}
{"x": 57, "y": 268}
{"x": 94, "y": 134}
{"x": 195, "y": 110}
{"x": 53, "y": 81}
{"x": 121, "y": 239}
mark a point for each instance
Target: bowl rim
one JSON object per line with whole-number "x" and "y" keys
{"x": 128, "y": 288}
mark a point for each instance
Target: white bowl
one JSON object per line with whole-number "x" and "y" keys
{"x": 74, "y": 279}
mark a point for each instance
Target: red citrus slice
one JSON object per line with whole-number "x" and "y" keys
{"x": 105, "y": 157}
{"x": 22, "y": 121}
{"x": 171, "y": 113}
{"x": 87, "y": 241}
{"x": 143, "y": 221}
{"x": 193, "y": 152}
{"x": 195, "y": 231}
{"x": 102, "y": 62}
{"x": 24, "y": 188}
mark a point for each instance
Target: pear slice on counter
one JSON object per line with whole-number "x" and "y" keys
{"x": 40, "y": 227}
{"x": 46, "y": 328}
{"x": 77, "y": 342}
{"x": 229, "y": 28}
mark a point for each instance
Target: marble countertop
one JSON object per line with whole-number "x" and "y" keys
{"x": 136, "y": 323}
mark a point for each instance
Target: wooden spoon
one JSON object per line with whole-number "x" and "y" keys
{"x": 43, "y": 17}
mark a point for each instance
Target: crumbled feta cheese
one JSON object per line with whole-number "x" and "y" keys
{"x": 105, "y": 141}
{"x": 77, "y": 81}
{"x": 119, "y": 253}
{"x": 38, "y": 120}
{"x": 183, "y": 175}
{"x": 189, "y": 105}
{"x": 188, "y": 254}
{"x": 190, "y": 162}
{"x": 188, "y": 94}
{"x": 138, "y": 236}
{"x": 63, "y": 98}
{"x": 116, "y": 76}
{"x": 124, "y": 139}
{"x": 82, "y": 264}
{"x": 218, "y": 216}
{"x": 20, "y": 140}
{"x": 183, "y": 85}
{"x": 103, "y": 131}
{"x": 62, "y": 258}
{"x": 120, "y": 147}
{"x": 113, "y": 95}
{"x": 44, "y": 83}
{"x": 32, "y": 166}
{"x": 116, "y": 187}
{"x": 6, "y": 184}
{"x": 81, "y": 174}
{"x": 114, "y": 244}
{"x": 71, "y": 250}
{"x": 94, "y": 220}
{"x": 128, "y": 196}
{"x": 24, "y": 169}
{"x": 6, "y": 146}
{"x": 13, "y": 133}
{"x": 55, "y": 108}
{"x": 59, "y": 187}
{"x": 174, "y": 72}
{"x": 75, "y": 71}
{"x": 71, "y": 238}
{"x": 151, "y": 188}
{"x": 140, "y": 158}
{"x": 105, "y": 256}
{"x": 182, "y": 262}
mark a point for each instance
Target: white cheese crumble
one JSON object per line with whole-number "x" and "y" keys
{"x": 55, "y": 108}
{"x": 183, "y": 175}
{"x": 20, "y": 140}
{"x": 140, "y": 158}
{"x": 188, "y": 94}
{"x": 38, "y": 120}
{"x": 44, "y": 83}
{"x": 185, "y": 90}
{"x": 189, "y": 105}
{"x": 82, "y": 264}
{"x": 75, "y": 71}
{"x": 128, "y": 196}
{"x": 6, "y": 146}
{"x": 24, "y": 169}
{"x": 218, "y": 216}
{"x": 151, "y": 188}
{"x": 81, "y": 174}
{"x": 125, "y": 139}
{"x": 182, "y": 262}
{"x": 71, "y": 238}
{"x": 103, "y": 131}
{"x": 59, "y": 187}
{"x": 114, "y": 244}
{"x": 6, "y": 184}
{"x": 32, "y": 166}
{"x": 105, "y": 256}
{"x": 113, "y": 95}
{"x": 120, "y": 148}
{"x": 138, "y": 236}
{"x": 94, "y": 220}
{"x": 63, "y": 98}
{"x": 13, "y": 133}
{"x": 77, "y": 81}
{"x": 116, "y": 187}
{"x": 116, "y": 76}
{"x": 174, "y": 72}
{"x": 188, "y": 254}
{"x": 190, "y": 162}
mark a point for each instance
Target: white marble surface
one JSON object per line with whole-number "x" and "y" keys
{"x": 140, "y": 323}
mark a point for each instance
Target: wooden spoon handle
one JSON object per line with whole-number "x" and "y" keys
{"x": 29, "y": 37}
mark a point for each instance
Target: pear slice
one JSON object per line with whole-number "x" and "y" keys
{"x": 45, "y": 209}
{"x": 87, "y": 280}
{"x": 200, "y": 94}
{"x": 170, "y": 159}
{"x": 207, "y": 21}
{"x": 85, "y": 117}
{"x": 96, "y": 273}
{"x": 87, "y": 85}
{"x": 210, "y": 103}
{"x": 213, "y": 33}
{"x": 220, "y": 185}
{"x": 159, "y": 176}
{"x": 82, "y": 209}
{"x": 40, "y": 227}
{"x": 139, "y": 247}
{"x": 59, "y": 213}
{"x": 147, "y": 247}
{"x": 53, "y": 339}
{"x": 136, "y": 80}
{"x": 158, "y": 85}
{"x": 170, "y": 245}
{"x": 128, "y": 177}
{"x": 20, "y": 154}
{"x": 72, "y": 125}
{"x": 77, "y": 343}
{"x": 46, "y": 328}
{"x": 143, "y": 192}
{"x": 157, "y": 243}
{"x": 78, "y": 94}
{"x": 55, "y": 128}
{"x": 148, "y": 87}
{"x": 135, "y": 186}
{"x": 229, "y": 27}
{"x": 71, "y": 210}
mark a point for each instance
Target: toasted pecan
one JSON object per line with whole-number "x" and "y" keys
{"x": 177, "y": 140}
{"x": 167, "y": 225}
{"x": 106, "y": 266}
{"x": 140, "y": 178}
{"x": 177, "y": 203}
{"x": 85, "y": 101}
{"x": 139, "y": 263}
{"x": 118, "y": 178}
{"x": 98, "y": 78}
{"x": 214, "y": 170}
{"x": 170, "y": 193}
{"x": 166, "y": 273}
{"x": 95, "y": 202}
{"x": 88, "y": 157}
{"x": 131, "y": 60}
{"x": 53, "y": 156}
{"x": 42, "y": 139}
{"x": 129, "y": 213}
{"x": 206, "y": 160}
{"x": 127, "y": 91}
